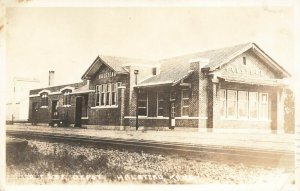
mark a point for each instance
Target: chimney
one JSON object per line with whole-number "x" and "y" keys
{"x": 51, "y": 78}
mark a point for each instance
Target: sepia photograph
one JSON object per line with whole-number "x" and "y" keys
{"x": 149, "y": 96}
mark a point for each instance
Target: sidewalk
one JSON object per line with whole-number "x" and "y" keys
{"x": 269, "y": 142}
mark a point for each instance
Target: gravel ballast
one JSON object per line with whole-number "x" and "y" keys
{"x": 87, "y": 164}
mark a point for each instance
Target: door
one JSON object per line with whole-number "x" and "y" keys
{"x": 78, "y": 112}
{"x": 35, "y": 109}
{"x": 54, "y": 109}
{"x": 172, "y": 115}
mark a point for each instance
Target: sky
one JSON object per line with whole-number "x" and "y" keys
{"x": 67, "y": 40}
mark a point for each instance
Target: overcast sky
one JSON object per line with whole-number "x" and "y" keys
{"x": 68, "y": 40}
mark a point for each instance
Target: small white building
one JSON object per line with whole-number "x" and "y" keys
{"x": 18, "y": 100}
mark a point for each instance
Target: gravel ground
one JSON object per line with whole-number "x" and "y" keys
{"x": 168, "y": 169}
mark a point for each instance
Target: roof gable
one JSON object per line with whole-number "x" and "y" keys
{"x": 175, "y": 68}
{"x": 115, "y": 63}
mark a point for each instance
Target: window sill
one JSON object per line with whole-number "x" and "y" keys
{"x": 245, "y": 119}
{"x": 66, "y": 105}
{"x": 104, "y": 107}
{"x": 84, "y": 117}
{"x": 44, "y": 107}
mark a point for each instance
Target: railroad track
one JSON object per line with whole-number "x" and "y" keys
{"x": 246, "y": 156}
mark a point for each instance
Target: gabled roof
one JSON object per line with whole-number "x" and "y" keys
{"x": 116, "y": 63}
{"x": 173, "y": 69}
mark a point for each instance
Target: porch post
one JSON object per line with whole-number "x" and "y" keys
{"x": 136, "y": 110}
{"x": 280, "y": 110}
{"x": 122, "y": 106}
{"x": 213, "y": 103}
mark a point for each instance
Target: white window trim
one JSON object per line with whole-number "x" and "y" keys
{"x": 225, "y": 99}
{"x": 145, "y": 107}
{"x": 67, "y": 93}
{"x": 182, "y": 102}
{"x": 101, "y": 91}
{"x": 104, "y": 107}
{"x": 231, "y": 117}
{"x": 238, "y": 105}
{"x": 267, "y": 106}
{"x": 257, "y": 106}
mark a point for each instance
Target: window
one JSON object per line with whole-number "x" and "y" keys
{"x": 231, "y": 103}
{"x": 108, "y": 91}
{"x": 44, "y": 100}
{"x": 243, "y": 104}
{"x": 113, "y": 94}
{"x": 263, "y": 106}
{"x": 185, "y": 97}
{"x": 153, "y": 71}
{"x": 142, "y": 103}
{"x": 106, "y": 94}
{"x": 173, "y": 95}
{"x": 102, "y": 90}
{"x": 67, "y": 98}
{"x": 97, "y": 95}
{"x": 223, "y": 103}
{"x": 160, "y": 104}
{"x": 244, "y": 60}
{"x": 253, "y": 105}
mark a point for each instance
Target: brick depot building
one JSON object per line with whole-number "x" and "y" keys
{"x": 238, "y": 87}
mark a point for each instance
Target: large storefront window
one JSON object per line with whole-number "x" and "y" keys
{"x": 106, "y": 94}
{"x": 244, "y": 105}
{"x": 253, "y": 105}
{"x": 185, "y": 98}
{"x": 223, "y": 103}
{"x": 142, "y": 103}
{"x": 231, "y": 103}
{"x": 264, "y": 106}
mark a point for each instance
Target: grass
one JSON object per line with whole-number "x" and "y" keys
{"x": 115, "y": 166}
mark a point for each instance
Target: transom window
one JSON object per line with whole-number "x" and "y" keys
{"x": 143, "y": 103}
{"x": 244, "y": 105}
{"x": 106, "y": 94}
{"x": 44, "y": 99}
{"x": 185, "y": 99}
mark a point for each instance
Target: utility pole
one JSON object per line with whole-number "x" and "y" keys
{"x": 136, "y": 72}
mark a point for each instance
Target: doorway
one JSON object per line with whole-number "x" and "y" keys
{"x": 78, "y": 112}
{"x": 54, "y": 109}
{"x": 35, "y": 110}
